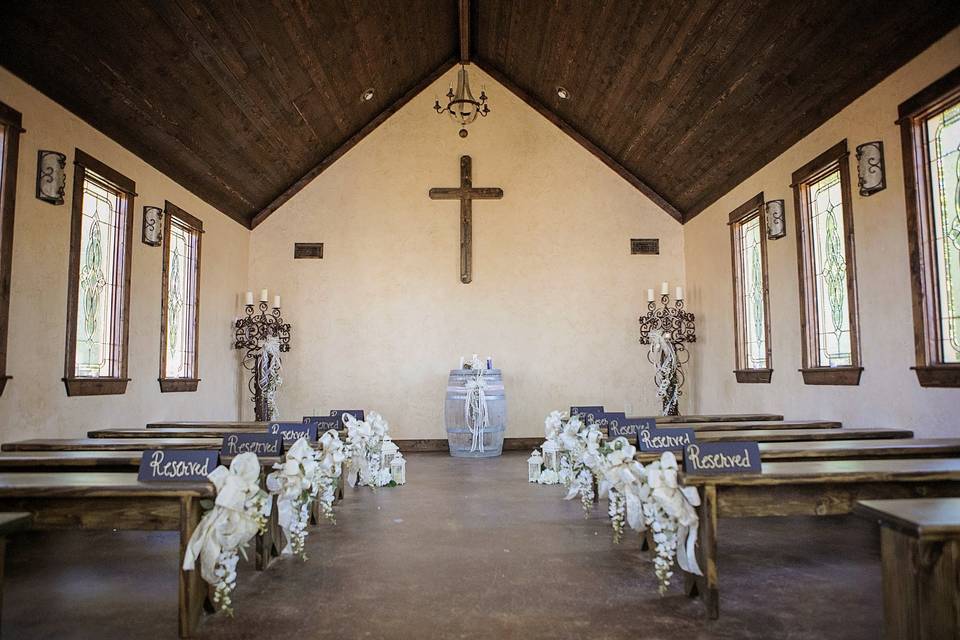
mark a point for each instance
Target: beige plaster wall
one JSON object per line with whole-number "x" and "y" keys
{"x": 35, "y": 403}
{"x": 381, "y": 320}
{"x": 888, "y": 394}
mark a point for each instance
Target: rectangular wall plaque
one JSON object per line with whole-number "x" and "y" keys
{"x": 262, "y": 444}
{"x": 293, "y": 431}
{"x": 324, "y": 423}
{"x": 664, "y": 439}
{"x": 308, "y": 250}
{"x": 356, "y": 413}
{"x": 586, "y": 413}
{"x": 645, "y": 246}
{"x": 177, "y": 465}
{"x": 719, "y": 458}
{"x": 629, "y": 427}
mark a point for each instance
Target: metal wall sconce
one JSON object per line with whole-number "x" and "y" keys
{"x": 871, "y": 174}
{"x": 51, "y": 176}
{"x": 773, "y": 214}
{"x": 152, "y": 226}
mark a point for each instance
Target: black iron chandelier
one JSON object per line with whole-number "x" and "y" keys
{"x": 461, "y": 105}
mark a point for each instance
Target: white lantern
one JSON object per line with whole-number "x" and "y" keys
{"x": 534, "y": 463}
{"x": 387, "y": 452}
{"x": 551, "y": 458}
{"x": 398, "y": 468}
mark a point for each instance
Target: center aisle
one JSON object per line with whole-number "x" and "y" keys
{"x": 469, "y": 549}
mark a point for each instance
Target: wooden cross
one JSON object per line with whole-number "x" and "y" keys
{"x": 466, "y": 193}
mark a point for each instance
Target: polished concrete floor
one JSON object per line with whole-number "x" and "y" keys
{"x": 467, "y": 549}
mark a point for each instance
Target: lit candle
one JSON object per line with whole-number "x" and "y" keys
{"x": 263, "y": 295}
{"x": 276, "y": 301}
{"x": 249, "y": 300}
{"x": 679, "y": 293}
{"x": 664, "y": 289}
{"x": 461, "y": 362}
{"x": 649, "y": 295}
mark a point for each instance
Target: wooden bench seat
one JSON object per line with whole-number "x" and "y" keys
{"x": 800, "y": 435}
{"x": 721, "y": 417}
{"x": 846, "y": 450}
{"x": 807, "y": 488}
{"x": 226, "y": 424}
{"x": 108, "y": 444}
{"x": 920, "y": 551}
{"x": 768, "y": 425}
{"x": 113, "y": 501}
{"x": 177, "y": 432}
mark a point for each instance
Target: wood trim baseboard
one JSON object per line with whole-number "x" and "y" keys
{"x": 95, "y": 386}
{"x": 429, "y": 445}
{"x": 849, "y": 376}
{"x": 943, "y": 375}
{"x": 175, "y": 385}
{"x": 753, "y": 375}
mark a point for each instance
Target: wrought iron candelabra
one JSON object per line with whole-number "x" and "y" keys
{"x": 668, "y": 328}
{"x": 251, "y": 333}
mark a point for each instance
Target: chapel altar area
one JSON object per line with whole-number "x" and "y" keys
{"x": 525, "y": 549}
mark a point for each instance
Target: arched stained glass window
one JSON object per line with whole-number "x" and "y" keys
{"x": 750, "y": 292}
{"x": 180, "y": 311}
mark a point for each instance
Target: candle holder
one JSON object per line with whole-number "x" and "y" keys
{"x": 668, "y": 329}
{"x": 251, "y": 334}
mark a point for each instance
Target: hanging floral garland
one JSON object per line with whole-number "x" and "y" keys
{"x": 365, "y": 440}
{"x": 239, "y": 512}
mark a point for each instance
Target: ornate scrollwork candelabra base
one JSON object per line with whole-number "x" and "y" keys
{"x": 667, "y": 330}
{"x": 251, "y": 334}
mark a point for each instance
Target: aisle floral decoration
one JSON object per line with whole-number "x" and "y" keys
{"x": 364, "y": 446}
{"x": 329, "y": 470}
{"x": 239, "y": 512}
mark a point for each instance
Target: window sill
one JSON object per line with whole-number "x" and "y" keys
{"x": 95, "y": 386}
{"x": 941, "y": 375}
{"x": 3, "y": 382}
{"x": 849, "y": 376}
{"x": 760, "y": 376}
{"x": 176, "y": 385}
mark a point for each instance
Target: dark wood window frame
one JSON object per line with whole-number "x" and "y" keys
{"x": 833, "y": 159}
{"x": 11, "y": 121}
{"x": 748, "y": 210}
{"x": 95, "y": 386}
{"x": 168, "y": 385}
{"x": 931, "y": 370}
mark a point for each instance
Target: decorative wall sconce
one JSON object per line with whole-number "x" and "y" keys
{"x": 51, "y": 176}
{"x": 776, "y": 220}
{"x": 870, "y": 170}
{"x": 152, "y": 226}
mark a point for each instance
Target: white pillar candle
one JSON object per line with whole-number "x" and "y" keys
{"x": 649, "y": 295}
{"x": 263, "y": 295}
{"x": 249, "y": 300}
{"x": 664, "y": 289}
{"x": 679, "y": 293}
{"x": 461, "y": 362}
{"x": 276, "y": 301}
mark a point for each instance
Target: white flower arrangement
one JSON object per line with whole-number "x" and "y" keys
{"x": 364, "y": 445}
{"x": 329, "y": 469}
{"x": 239, "y": 512}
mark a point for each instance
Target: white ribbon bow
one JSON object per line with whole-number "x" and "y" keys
{"x": 475, "y": 412}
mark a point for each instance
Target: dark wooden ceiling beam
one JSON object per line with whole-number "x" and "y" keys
{"x": 464, "y": 31}
{"x": 350, "y": 143}
{"x": 582, "y": 140}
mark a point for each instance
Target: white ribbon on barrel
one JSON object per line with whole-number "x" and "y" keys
{"x": 475, "y": 410}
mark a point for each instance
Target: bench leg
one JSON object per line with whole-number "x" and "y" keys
{"x": 709, "y": 586}
{"x": 193, "y": 589}
{"x": 3, "y": 555}
{"x": 268, "y": 542}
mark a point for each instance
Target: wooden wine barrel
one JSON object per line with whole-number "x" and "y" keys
{"x": 459, "y": 436}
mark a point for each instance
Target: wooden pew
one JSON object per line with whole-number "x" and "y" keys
{"x": 721, "y": 417}
{"x": 768, "y": 425}
{"x": 920, "y": 550}
{"x": 801, "y": 435}
{"x": 806, "y": 488}
{"x": 177, "y": 432}
{"x": 9, "y": 523}
{"x": 107, "y": 444}
{"x": 238, "y": 425}
{"x": 112, "y": 501}
{"x": 845, "y": 450}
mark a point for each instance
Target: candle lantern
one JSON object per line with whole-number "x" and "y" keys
{"x": 534, "y": 463}
{"x": 387, "y": 453}
{"x": 398, "y": 468}
{"x": 551, "y": 455}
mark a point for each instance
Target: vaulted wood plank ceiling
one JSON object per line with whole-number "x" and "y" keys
{"x": 243, "y": 102}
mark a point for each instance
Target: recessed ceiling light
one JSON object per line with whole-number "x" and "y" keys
{"x": 563, "y": 93}
{"x": 367, "y": 95}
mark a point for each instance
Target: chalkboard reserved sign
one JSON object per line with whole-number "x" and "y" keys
{"x": 603, "y": 420}
{"x": 586, "y": 413}
{"x": 293, "y": 431}
{"x": 338, "y": 414}
{"x": 720, "y": 458}
{"x": 262, "y": 444}
{"x": 628, "y": 427}
{"x": 177, "y": 465}
{"x": 324, "y": 423}
{"x": 656, "y": 440}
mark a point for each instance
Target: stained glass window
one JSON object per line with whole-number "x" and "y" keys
{"x": 943, "y": 154}
{"x": 825, "y": 209}
{"x": 180, "y": 297}
{"x": 99, "y": 280}
{"x": 750, "y": 290}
